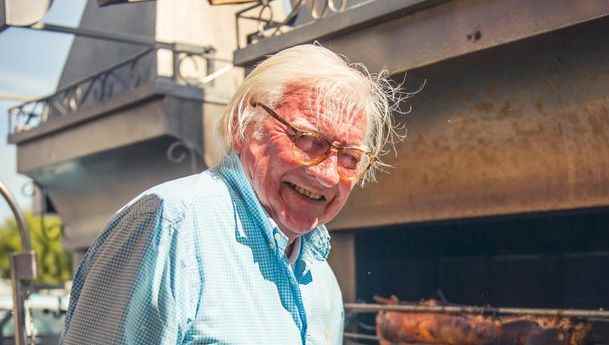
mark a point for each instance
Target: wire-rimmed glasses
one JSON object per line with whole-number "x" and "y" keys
{"x": 312, "y": 148}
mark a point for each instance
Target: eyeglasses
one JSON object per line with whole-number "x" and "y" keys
{"x": 313, "y": 148}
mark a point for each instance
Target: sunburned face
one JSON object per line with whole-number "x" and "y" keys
{"x": 298, "y": 197}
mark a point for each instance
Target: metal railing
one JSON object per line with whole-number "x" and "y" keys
{"x": 271, "y": 21}
{"x": 186, "y": 65}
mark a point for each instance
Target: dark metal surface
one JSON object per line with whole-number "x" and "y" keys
{"x": 427, "y": 31}
{"x": 355, "y": 336}
{"x": 89, "y": 189}
{"x": 517, "y": 129}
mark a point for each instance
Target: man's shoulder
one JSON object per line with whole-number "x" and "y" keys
{"x": 160, "y": 211}
{"x": 190, "y": 188}
{"x": 175, "y": 197}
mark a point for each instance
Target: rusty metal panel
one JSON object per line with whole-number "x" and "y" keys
{"x": 459, "y": 27}
{"x": 428, "y": 31}
{"x": 516, "y": 129}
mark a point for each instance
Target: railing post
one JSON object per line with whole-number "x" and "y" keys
{"x": 176, "y": 63}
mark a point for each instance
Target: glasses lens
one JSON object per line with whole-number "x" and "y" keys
{"x": 312, "y": 149}
{"x": 312, "y": 146}
{"x": 352, "y": 162}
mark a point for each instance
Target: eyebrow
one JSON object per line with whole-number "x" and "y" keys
{"x": 300, "y": 127}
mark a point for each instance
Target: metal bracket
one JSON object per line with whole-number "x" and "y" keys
{"x": 24, "y": 265}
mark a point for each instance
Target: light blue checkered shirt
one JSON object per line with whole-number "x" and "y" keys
{"x": 196, "y": 261}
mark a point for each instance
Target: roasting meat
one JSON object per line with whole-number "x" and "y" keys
{"x": 402, "y": 328}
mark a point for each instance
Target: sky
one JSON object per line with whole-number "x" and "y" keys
{"x": 31, "y": 63}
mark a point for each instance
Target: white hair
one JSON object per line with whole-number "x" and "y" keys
{"x": 340, "y": 88}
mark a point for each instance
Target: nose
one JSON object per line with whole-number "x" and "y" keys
{"x": 326, "y": 172}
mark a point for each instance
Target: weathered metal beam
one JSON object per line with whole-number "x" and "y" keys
{"x": 428, "y": 31}
{"x": 331, "y": 26}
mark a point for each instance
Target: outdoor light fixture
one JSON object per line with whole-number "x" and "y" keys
{"x": 230, "y": 2}
{"x": 103, "y": 3}
{"x": 22, "y": 12}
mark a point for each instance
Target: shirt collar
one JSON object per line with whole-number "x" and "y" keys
{"x": 315, "y": 244}
{"x": 295, "y": 252}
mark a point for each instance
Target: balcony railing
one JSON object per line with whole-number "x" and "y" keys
{"x": 184, "y": 64}
{"x": 271, "y": 20}
{"x": 267, "y": 27}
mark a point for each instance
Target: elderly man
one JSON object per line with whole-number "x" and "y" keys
{"x": 237, "y": 254}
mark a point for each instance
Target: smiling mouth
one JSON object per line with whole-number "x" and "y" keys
{"x": 305, "y": 192}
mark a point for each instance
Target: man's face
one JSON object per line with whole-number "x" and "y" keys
{"x": 298, "y": 197}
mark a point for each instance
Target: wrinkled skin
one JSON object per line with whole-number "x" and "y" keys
{"x": 268, "y": 158}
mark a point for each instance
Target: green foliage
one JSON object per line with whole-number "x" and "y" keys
{"x": 54, "y": 263}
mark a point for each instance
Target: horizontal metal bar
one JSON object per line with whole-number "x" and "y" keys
{"x": 348, "y": 335}
{"x": 373, "y": 308}
{"x": 114, "y": 37}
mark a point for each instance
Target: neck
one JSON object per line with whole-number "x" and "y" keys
{"x": 290, "y": 248}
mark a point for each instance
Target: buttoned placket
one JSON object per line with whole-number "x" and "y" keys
{"x": 279, "y": 243}
{"x": 276, "y": 239}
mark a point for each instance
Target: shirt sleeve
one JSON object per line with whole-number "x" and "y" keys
{"x": 126, "y": 291}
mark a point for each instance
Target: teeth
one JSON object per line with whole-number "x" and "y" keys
{"x": 305, "y": 192}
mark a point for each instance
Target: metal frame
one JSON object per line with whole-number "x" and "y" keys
{"x": 448, "y": 309}
{"x": 400, "y": 35}
{"x": 23, "y": 269}
{"x": 328, "y": 20}
{"x": 358, "y": 308}
{"x": 117, "y": 79}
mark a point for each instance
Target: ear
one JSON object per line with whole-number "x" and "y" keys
{"x": 237, "y": 139}
{"x": 237, "y": 142}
